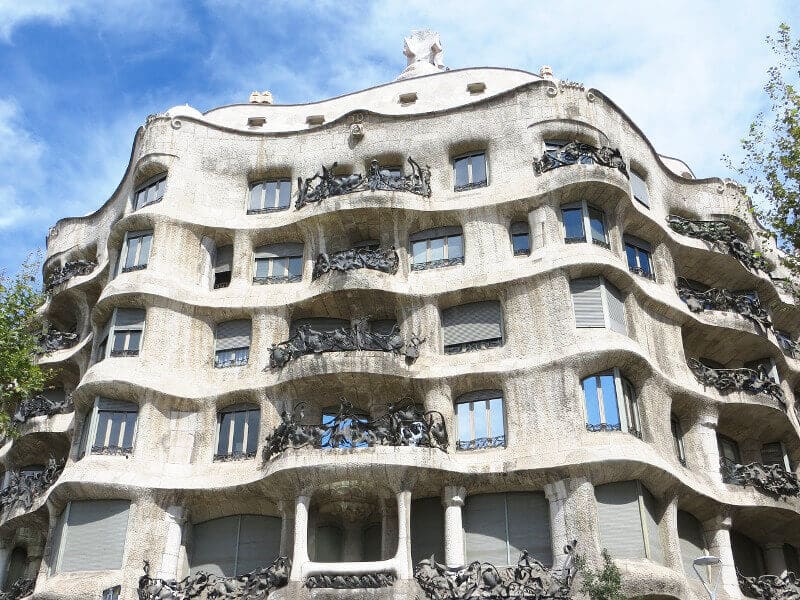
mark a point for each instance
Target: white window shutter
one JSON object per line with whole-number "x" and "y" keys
{"x": 233, "y": 334}
{"x": 619, "y": 519}
{"x": 214, "y": 545}
{"x": 639, "y": 188}
{"x": 485, "y": 529}
{"x": 616, "y": 309}
{"x": 427, "y": 529}
{"x": 472, "y": 322}
{"x": 587, "y": 302}
{"x": 94, "y": 537}
{"x": 529, "y": 526}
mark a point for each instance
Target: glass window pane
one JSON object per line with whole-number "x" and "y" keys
{"x": 296, "y": 266}
{"x": 573, "y": 223}
{"x": 437, "y": 249}
{"x": 455, "y": 246}
{"x": 134, "y": 339}
{"x": 161, "y": 186}
{"x": 238, "y": 431}
{"x": 462, "y": 415}
{"x": 261, "y": 267}
{"x": 478, "y": 168}
{"x": 252, "y": 430}
{"x": 141, "y": 198}
{"x": 631, "y": 254}
{"x": 480, "y": 418}
{"x": 644, "y": 261}
{"x": 133, "y": 247}
{"x": 279, "y": 267}
{"x": 119, "y": 342}
{"x": 285, "y": 194}
{"x": 496, "y": 416}
{"x": 242, "y": 355}
{"x": 226, "y": 419}
{"x": 255, "y": 197}
{"x": 144, "y": 251}
{"x": 419, "y": 251}
{"x": 520, "y": 242}
{"x": 462, "y": 178}
{"x": 609, "y": 399}
{"x": 102, "y": 426}
{"x": 271, "y": 199}
{"x": 151, "y": 194}
{"x": 115, "y": 421}
{"x": 592, "y": 403}
{"x": 597, "y": 226}
{"x": 130, "y": 428}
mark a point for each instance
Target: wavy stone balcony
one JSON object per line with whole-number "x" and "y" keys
{"x": 575, "y": 153}
{"x": 22, "y": 490}
{"x": 71, "y": 269}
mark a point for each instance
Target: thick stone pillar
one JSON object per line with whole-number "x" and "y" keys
{"x": 300, "y": 554}
{"x": 556, "y": 494}
{"x": 669, "y": 535}
{"x": 286, "y": 508}
{"x": 702, "y": 449}
{"x": 718, "y": 538}
{"x": 405, "y": 569}
{"x": 388, "y": 529}
{"x": 453, "y": 500}
{"x": 582, "y": 525}
{"x": 774, "y": 558}
{"x": 173, "y": 518}
{"x": 35, "y": 553}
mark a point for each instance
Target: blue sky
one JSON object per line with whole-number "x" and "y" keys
{"x": 77, "y": 77}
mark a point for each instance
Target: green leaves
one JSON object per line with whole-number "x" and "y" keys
{"x": 604, "y": 583}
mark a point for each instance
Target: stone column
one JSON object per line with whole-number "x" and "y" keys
{"x": 536, "y": 221}
{"x": 774, "y": 558}
{"x": 453, "y": 499}
{"x": 556, "y": 493}
{"x": 173, "y": 517}
{"x": 669, "y": 536}
{"x": 286, "y": 508}
{"x": 703, "y": 443}
{"x": 300, "y": 554}
{"x": 718, "y": 538}
{"x": 35, "y": 553}
{"x": 5, "y": 555}
{"x": 402, "y": 558}
{"x": 388, "y": 529}
{"x": 582, "y": 525}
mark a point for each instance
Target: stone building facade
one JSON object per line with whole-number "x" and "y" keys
{"x": 460, "y": 315}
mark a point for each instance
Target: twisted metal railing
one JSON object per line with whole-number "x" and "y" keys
{"x": 773, "y": 480}
{"x": 39, "y": 406}
{"x": 742, "y": 379}
{"x": 377, "y": 259}
{"x": 722, "y": 299}
{"x": 575, "y": 153}
{"x": 19, "y": 589}
{"x": 71, "y": 269}
{"x": 770, "y": 587}
{"x": 22, "y": 490}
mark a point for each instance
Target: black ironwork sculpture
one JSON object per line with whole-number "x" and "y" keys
{"x": 746, "y": 305}
{"x": 497, "y": 441}
{"x": 255, "y": 585}
{"x": 359, "y": 336}
{"x": 71, "y": 269}
{"x": 125, "y": 451}
{"x": 594, "y": 427}
{"x": 19, "y": 589}
{"x": 41, "y": 405}
{"x": 351, "y": 582}
{"x": 22, "y": 490}
{"x": 529, "y": 579}
{"x": 721, "y": 235}
{"x": 577, "y": 152}
{"x": 773, "y": 480}
{"x": 377, "y": 259}
{"x": 403, "y": 424}
{"x": 743, "y": 379}
{"x": 52, "y": 339}
{"x": 770, "y": 587}
{"x": 234, "y": 456}
{"x": 327, "y": 185}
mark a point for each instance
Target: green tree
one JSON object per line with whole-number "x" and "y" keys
{"x": 771, "y": 163}
{"x": 604, "y": 583}
{"x": 20, "y": 376}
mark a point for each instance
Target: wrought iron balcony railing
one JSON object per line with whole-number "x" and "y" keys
{"x": 355, "y": 581}
{"x": 19, "y": 589}
{"x": 71, "y": 269}
{"x": 22, "y": 490}
{"x": 39, "y": 406}
{"x": 294, "y": 278}
{"x": 435, "y": 264}
{"x": 112, "y": 450}
{"x": 307, "y": 340}
{"x": 575, "y": 153}
{"x": 52, "y": 340}
{"x": 327, "y": 185}
{"x": 747, "y": 305}
{"x": 473, "y": 346}
{"x": 403, "y": 424}
{"x": 377, "y": 259}
{"x": 498, "y": 441}
{"x": 529, "y": 579}
{"x": 772, "y": 480}
{"x": 594, "y": 427}
{"x": 234, "y": 456}
{"x": 741, "y": 380}
{"x": 721, "y": 235}
{"x": 258, "y": 583}
{"x": 770, "y": 587}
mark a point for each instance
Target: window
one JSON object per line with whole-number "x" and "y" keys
{"x": 611, "y": 403}
{"x": 334, "y": 437}
{"x": 639, "y": 188}
{"x": 111, "y": 427}
{"x": 324, "y": 324}
{"x": 439, "y": 247}
{"x": 597, "y": 303}
{"x": 31, "y": 471}
{"x": 151, "y": 192}
{"x": 234, "y": 545}
{"x": 136, "y": 251}
{"x": 232, "y": 343}
{"x": 773, "y": 453}
{"x": 270, "y": 196}
{"x": 112, "y": 593}
{"x": 479, "y": 416}
{"x": 237, "y": 431}
{"x": 474, "y": 326}
{"x": 638, "y": 253}
{"x": 520, "y": 238}
{"x": 124, "y": 328}
{"x": 581, "y": 220}
{"x": 223, "y": 265}
{"x": 627, "y": 520}
{"x": 469, "y": 171}
{"x": 90, "y": 536}
{"x": 677, "y": 438}
{"x": 498, "y": 527}
{"x": 391, "y": 171}
{"x": 729, "y": 457}
{"x": 748, "y": 556}
{"x": 278, "y": 263}
{"x": 692, "y": 542}
{"x": 427, "y": 529}
{"x": 553, "y": 148}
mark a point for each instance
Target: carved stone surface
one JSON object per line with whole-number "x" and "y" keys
{"x": 20, "y": 589}
{"x": 404, "y": 424}
{"x": 327, "y": 185}
{"x": 721, "y": 299}
{"x": 773, "y": 480}
{"x": 71, "y": 269}
{"x": 720, "y": 235}
{"x": 528, "y": 579}
{"x": 770, "y": 587}
{"x": 424, "y": 52}
{"x": 52, "y": 339}
{"x": 579, "y": 153}
{"x": 377, "y": 259}
{"x": 358, "y": 337}
{"x": 255, "y": 585}
{"x": 742, "y": 379}
{"x": 23, "y": 489}
{"x": 351, "y": 582}
{"x": 40, "y": 405}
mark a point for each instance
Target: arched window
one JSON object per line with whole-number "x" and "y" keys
{"x": 479, "y": 416}
{"x": 474, "y": 326}
{"x": 520, "y": 238}
{"x": 628, "y": 520}
{"x": 150, "y": 192}
{"x": 237, "y": 431}
{"x": 231, "y": 546}
{"x": 278, "y": 263}
{"x": 469, "y": 171}
{"x": 677, "y": 438}
{"x": 611, "y": 403}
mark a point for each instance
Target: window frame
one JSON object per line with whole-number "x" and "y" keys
{"x": 470, "y": 184}
{"x": 275, "y": 259}
{"x": 514, "y": 235}
{"x": 88, "y": 444}
{"x": 246, "y": 452}
{"x": 604, "y": 292}
{"x": 108, "y": 334}
{"x": 640, "y": 247}
{"x": 125, "y": 249}
{"x": 149, "y": 183}
{"x": 635, "y": 172}
{"x": 216, "y": 269}
{"x": 437, "y": 233}
{"x": 586, "y": 223}
{"x": 471, "y": 400}
{"x": 473, "y": 345}
{"x": 276, "y": 207}
{"x": 240, "y": 354}
{"x": 645, "y": 526}
{"x": 626, "y": 400}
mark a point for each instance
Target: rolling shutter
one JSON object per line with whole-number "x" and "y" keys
{"x": 747, "y": 555}
{"x": 224, "y": 259}
{"x": 372, "y": 540}
{"x": 279, "y": 250}
{"x": 587, "y": 302}
{"x": 639, "y": 188}
{"x": 214, "y": 546}
{"x": 619, "y": 520}
{"x": 436, "y": 232}
{"x": 233, "y": 334}
{"x": 110, "y": 404}
{"x": 319, "y": 324}
{"x": 427, "y": 529}
{"x": 485, "y": 531}
{"x": 479, "y": 395}
{"x": 328, "y": 544}
{"x": 616, "y": 309}
{"x": 529, "y": 526}
{"x": 653, "y": 533}
{"x": 519, "y": 227}
{"x": 638, "y": 242}
{"x": 259, "y": 542}
{"x": 690, "y": 535}
{"x": 94, "y": 536}
{"x": 472, "y": 323}
{"x": 129, "y": 318}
